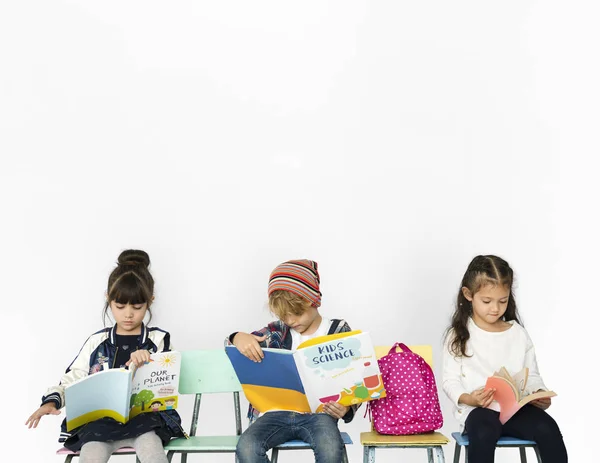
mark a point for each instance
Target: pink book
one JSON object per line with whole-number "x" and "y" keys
{"x": 510, "y": 392}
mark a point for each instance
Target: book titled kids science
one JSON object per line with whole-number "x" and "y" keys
{"x": 335, "y": 368}
{"x": 511, "y": 392}
{"x": 122, "y": 393}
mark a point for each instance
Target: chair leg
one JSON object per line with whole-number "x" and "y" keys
{"x": 537, "y": 454}
{"x": 68, "y": 459}
{"x": 439, "y": 453}
{"x": 523, "y": 454}
{"x": 467, "y": 454}
{"x": 345, "y": 456}
{"x": 430, "y": 455}
{"x": 368, "y": 454}
{"x": 137, "y": 460}
{"x": 184, "y": 458}
{"x": 456, "y": 453}
{"x": 274, "y": 455}
{"x": 170, "y": 456}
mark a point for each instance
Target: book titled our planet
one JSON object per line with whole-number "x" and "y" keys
{"x": 121, "y": 393}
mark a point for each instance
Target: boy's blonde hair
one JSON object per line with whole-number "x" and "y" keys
{"x": 283, "y": 303}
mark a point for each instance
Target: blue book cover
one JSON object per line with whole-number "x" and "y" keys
{"x": 335, "y": 368}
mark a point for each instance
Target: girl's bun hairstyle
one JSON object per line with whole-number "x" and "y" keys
{"x": 131, "y": 281}
{"x": 134, "y": 258}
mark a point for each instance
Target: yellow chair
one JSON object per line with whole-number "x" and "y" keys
{"x": 432, "y": 441}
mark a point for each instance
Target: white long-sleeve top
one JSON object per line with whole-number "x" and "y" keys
{"x": 487, "y": 353}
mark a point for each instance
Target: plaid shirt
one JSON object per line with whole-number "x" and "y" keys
{"x": 279, "y": 337}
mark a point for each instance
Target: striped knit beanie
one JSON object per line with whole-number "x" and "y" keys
{"x": 299, "y": 277}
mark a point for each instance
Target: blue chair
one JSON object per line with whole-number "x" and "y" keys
{"x": 521, "y": 444}
{"x": 301, "y": 445}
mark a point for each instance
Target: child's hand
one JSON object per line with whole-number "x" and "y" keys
{"x": 248, "y": 345}
{"x": 46, "y": 409}
{"x": 480, "y": 398}
{"x": 543, "y": 403}
{"x": 139, "y": 357}
{"x": 335, "y": 409}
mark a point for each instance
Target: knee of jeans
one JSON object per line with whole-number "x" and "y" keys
{"x": 248, "y": 448}
{"x": 328, "y": 445}
{"x": 329, "y": 452}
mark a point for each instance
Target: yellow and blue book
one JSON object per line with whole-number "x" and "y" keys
{"x": 121, "y": 393}
{"x": 335, "y": 368}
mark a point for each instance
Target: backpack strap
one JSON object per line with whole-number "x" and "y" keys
{"x": 336, "y": 325}
{"x": 402, "y": 346}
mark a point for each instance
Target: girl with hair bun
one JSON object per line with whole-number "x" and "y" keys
{"x": 129, "y": 295}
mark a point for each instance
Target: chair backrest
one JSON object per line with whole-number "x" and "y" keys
{"x": 209, "y": 372}
{"x": 425, "y": 351}
{"x": 206, "y": 372}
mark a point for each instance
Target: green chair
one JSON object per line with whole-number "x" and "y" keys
{"x": 206, "y": 372}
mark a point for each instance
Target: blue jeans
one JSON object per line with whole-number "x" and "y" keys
{"x": 274, "y": 428}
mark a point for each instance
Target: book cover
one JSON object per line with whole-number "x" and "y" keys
{"x": 511, "y": 392}
{"x": 340, "y": 368}
{"x": 121, "y": 393}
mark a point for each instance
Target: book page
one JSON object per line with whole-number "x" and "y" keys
{"x": 273, "y": 383}
{"x": 520, "y": 382}
{"x": 327, "y": 338}
{"x": 155, "y": 385}
{"x": 507, "y": 396}
{"x": 536, "y": 395}
{"x": 341, "y": 369}
{"x": 503, "y": 373}
{"x": 103, "y": 394}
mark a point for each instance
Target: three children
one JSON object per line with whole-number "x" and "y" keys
{"x": 485, "y": 334}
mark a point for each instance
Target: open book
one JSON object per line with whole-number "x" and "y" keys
{"x": 335, "y": 368}
{"x": 510, "y": 391}
{"x": 122, "y": 393}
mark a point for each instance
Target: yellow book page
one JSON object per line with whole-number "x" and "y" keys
{"x": 265, "y": 398}
{"x": 93, "y": 416}
{"x": 327, "y": 338}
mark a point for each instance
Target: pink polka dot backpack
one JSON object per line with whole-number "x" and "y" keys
{"x": 411, "y": 405}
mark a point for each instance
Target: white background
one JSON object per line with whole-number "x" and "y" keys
{"x": 389, "y": 141}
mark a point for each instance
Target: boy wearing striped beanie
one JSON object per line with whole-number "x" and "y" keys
{"x": 295, "y": 298}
